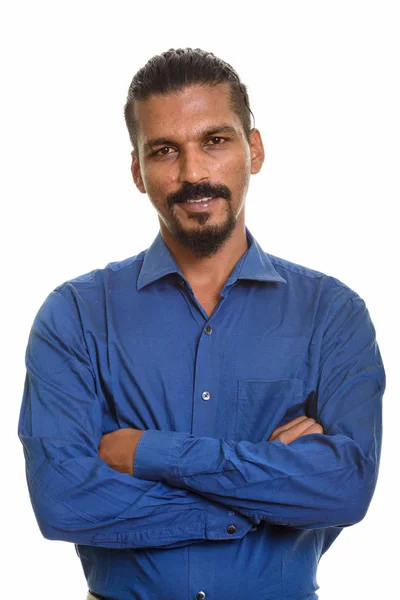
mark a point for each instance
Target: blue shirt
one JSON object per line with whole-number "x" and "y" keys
{"x": 214, "y": 507}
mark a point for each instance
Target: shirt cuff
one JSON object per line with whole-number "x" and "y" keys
{"x": 157, "y": 455}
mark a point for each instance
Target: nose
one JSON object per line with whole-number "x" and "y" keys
{"x": 193, "y": 166}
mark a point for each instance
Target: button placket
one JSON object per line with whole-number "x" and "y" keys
{"x": 206, "y": 382}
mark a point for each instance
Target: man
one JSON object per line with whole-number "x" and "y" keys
{"x": 201, "y": 419}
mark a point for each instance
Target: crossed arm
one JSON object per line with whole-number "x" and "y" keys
{"x": 308, "y": 474}
{"x": 185, "y": 488}
{"x": 118, "y": 448}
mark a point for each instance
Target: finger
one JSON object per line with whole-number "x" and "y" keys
{"x": 296, "y": 431}
{"x": 302, "y": 422}
{"x": 313, "y": 429}
{"x": 288, "y": 425}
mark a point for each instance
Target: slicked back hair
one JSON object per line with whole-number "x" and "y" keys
{"x": 174, "y": 70}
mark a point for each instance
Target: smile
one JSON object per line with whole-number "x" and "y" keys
{"x": 201, "y": 200}
{"x": 200, "y": 205}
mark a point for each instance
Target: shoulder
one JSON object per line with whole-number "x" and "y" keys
{"x": 300, "y": 277}
{"x": 288, "y": 267}
{"x": 95, "y": 281}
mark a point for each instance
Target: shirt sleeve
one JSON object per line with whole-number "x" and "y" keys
{"x": 318, "y": 480}
{"x": 75, "y": 495}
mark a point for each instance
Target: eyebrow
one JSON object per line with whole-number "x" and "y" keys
{"x": 162, "y": 141}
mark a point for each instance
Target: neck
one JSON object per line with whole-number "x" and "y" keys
{"x": 212, "y": 272}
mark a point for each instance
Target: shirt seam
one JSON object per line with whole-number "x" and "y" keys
{"x": 297, "y": 270}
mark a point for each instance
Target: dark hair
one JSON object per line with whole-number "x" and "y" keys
{"x": 176, "y": 69}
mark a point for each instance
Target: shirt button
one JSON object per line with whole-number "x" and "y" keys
{"x": 208, "y": 329}
{"x": 206, "y": 395}
{"x": 182, "y": 283}
{"x": 200, "y": 595}
{"x": 231, "y": 529}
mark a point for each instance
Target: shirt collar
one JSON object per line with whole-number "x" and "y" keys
{"x": 255, "y": 264}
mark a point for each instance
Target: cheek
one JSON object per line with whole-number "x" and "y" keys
{"x": 239, "y": 176}
{"x": 158, "y": 185}
{"x": 238, "y": 168}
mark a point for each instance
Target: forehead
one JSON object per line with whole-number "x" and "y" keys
{"x": 184, "y": 112}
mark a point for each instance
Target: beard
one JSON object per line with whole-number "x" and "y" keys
{"x": 204, "y": 241}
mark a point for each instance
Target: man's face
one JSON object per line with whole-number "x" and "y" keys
{"x": 192, "y": 146}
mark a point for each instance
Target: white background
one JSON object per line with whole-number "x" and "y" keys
{"x": 323, "y": 79}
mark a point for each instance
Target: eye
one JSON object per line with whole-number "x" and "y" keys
{"x": 217, "y": 141}
{"x": 161, "y": 151}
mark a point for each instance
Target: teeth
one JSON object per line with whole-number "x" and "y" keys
{"x": 201, "y": 200}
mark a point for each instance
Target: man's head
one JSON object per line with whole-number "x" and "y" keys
{"x": 188, "y": 118}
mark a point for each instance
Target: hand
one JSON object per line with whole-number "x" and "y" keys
{"x": 294, "y": 429}
{"x": 118, "y": 448}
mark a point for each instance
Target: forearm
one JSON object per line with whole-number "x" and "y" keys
{"x": 316, "y": 481}
{"x": 82, "y": 500}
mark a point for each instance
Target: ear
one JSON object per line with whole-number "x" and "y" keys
{"x": 136, "y": 174}
{"x": 256, "y": 151}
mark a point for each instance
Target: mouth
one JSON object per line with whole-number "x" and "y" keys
{"x": 200, "y": 204}
{"x": 199, "y": 200}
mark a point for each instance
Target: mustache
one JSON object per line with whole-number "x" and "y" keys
{"x": 198, "y": 191}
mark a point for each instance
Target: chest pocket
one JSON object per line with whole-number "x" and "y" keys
{"x": 263, "y": 405}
